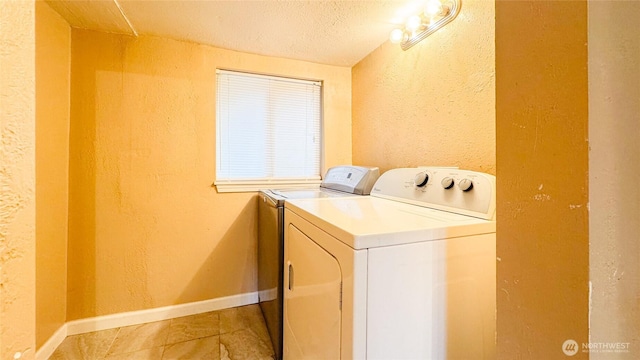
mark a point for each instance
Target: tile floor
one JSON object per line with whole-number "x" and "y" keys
{"x": 230, "y": 334}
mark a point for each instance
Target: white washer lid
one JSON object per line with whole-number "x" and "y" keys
{"x": 367, "y": 221}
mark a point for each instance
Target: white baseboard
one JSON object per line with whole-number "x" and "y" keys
{"x": 157, "y": 314}
{"x": 268, "y": 295}
{"x": 46, "y": 350}
{"x": 140, "y": 317}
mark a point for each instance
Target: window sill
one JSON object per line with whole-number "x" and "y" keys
{"x": 232, "y": 186}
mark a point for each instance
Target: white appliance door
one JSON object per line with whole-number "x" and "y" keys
{"x": 312, "y": 282}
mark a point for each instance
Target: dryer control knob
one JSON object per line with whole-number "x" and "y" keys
{"x": 447, "y": 183}
{"x": 465, "y": 185}
{"x": 421, "y": 179}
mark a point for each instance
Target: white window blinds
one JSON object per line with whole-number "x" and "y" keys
{"x": 268, "y": 128}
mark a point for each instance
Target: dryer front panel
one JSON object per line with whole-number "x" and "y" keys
{"x": 312, "y": 291}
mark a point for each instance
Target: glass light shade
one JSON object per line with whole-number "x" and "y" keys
{"x": 434, "y": 7}
{"x": 396, "y": 36}
{"x": 414, "y": 22}
{"x": 412, "y": 7}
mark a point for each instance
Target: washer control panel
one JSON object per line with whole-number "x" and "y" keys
{"x": 461, "y": 191}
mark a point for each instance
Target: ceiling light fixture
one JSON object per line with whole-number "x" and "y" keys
{"x": 434, "y": 15}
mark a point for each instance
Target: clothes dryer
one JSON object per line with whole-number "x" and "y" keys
{"x": 339, "y": 181}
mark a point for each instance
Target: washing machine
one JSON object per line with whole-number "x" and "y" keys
{"x": 405, "y": 273}
{"x": 339, "y": 181}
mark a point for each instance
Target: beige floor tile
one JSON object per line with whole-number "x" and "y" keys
{"x": 244, "y": 336}
{"x": 244, "y": 317}
{"x": 140, "y": 337}
{"x": 146, "y": 354}
{"x": 203, "y": 348}
{"x": 244, "y": 345}
{"x": 194, "y": 327}
{"x": 87, "y": 346}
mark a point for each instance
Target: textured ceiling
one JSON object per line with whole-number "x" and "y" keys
{"x": 329, "y": 32}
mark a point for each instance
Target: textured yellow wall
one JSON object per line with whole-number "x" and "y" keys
{"x": 17, "y": 179}
{"x": 542, "y": 172}
{"x": 53, "y": 60}
{"x": 614, "y": 167}
{"x": 433, "y": 104}
{"x": 146, "y": 228}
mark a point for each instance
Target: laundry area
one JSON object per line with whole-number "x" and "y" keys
{"x": 376, "y": 179}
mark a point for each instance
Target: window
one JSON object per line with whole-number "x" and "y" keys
{"x": 268, "y": 131}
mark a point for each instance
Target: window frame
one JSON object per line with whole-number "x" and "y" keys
{"x": 236, "y": 185}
